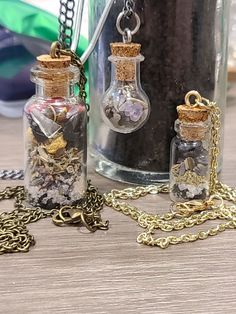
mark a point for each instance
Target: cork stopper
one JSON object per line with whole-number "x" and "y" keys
{"x": 125, "y": 49}
{"x": 47, "y": 62}
{"x": 192, "y": 114}
{"x": 125, "y": 69}
{"x": 55, "y": 81}
{"x": 193, "y": 120}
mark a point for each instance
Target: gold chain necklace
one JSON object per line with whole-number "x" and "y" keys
{"x": 183, "y": 215}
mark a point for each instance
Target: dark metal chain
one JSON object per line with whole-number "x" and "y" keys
{"x": 65, "y": 20}
{"x": 56, "y": 51}
{"x": 75, "y": 60}
{"x": 128, "y": 9}
{"x": 88, "y": 213}
{"x": 7, "y": 174}
{"x": 14, "y": 235}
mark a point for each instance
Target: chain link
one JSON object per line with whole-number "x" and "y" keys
{"x": 75, "y": 60}
{"x": 65, "y": 20}
{"x": 63, "y": 45}
{"x": 128, "y": 8}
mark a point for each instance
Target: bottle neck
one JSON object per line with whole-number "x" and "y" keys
{"x": 45, "y": 90}
{"x": 52, "y": 82}
{"x": 192, "y": 132}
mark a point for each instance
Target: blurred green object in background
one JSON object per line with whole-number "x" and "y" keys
{"x": 26, "y": 19}
{"x": 25, "y": 32}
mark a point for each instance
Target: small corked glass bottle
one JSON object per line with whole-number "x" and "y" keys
{"x": 55, "y": 136}
{"x": 125, "y": 106}
{"x": 189, "y": 162}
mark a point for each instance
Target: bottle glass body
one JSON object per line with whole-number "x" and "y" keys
{"x": 55, "y": 143}
{"x": 189, "y": 162}
{"x": 125, "y": 106}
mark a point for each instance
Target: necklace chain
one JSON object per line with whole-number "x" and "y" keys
{"x": 14, "y": 235}
{"x": 56, "y": 51}
{"x": 186, "y": 217}
{"x": 66, "y": 18}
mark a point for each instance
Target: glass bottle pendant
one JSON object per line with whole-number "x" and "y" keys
{"x": 190, "y": 153}
{"x": 125, "y": 106}
{"x": 55, "y": 136}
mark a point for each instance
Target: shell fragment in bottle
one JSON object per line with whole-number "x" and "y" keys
{"x": 189, "y": 163}
{"x": 46, "y": 125}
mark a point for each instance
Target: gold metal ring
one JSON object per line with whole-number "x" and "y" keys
{"x": 190, "y": 94}
{"x": 57, "y": 220}
{"x": 63, "y": 211}
{"x": 55, "y": 49}
{"x": 216, "y": 197}
{"x": 174, "y": 211}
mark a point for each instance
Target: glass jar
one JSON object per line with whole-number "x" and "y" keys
{"x": 190, "y": 152}
{"x": 185, "y": 47}
{"x": 125, "y": 106}
{"x": 55, "y": 136}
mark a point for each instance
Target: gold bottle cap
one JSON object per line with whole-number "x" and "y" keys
{"x": 121, "y": 49}
{"x": 48, "y": 62}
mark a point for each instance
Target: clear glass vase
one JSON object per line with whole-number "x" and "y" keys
{"x": 185, "y": 47}
{"x": 55, "y": 138}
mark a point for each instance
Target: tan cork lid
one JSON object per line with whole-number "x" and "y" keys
{"x": 125, "y": 49}
{"x": 192, "y": 113}
{"x": 48, "y": 62}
